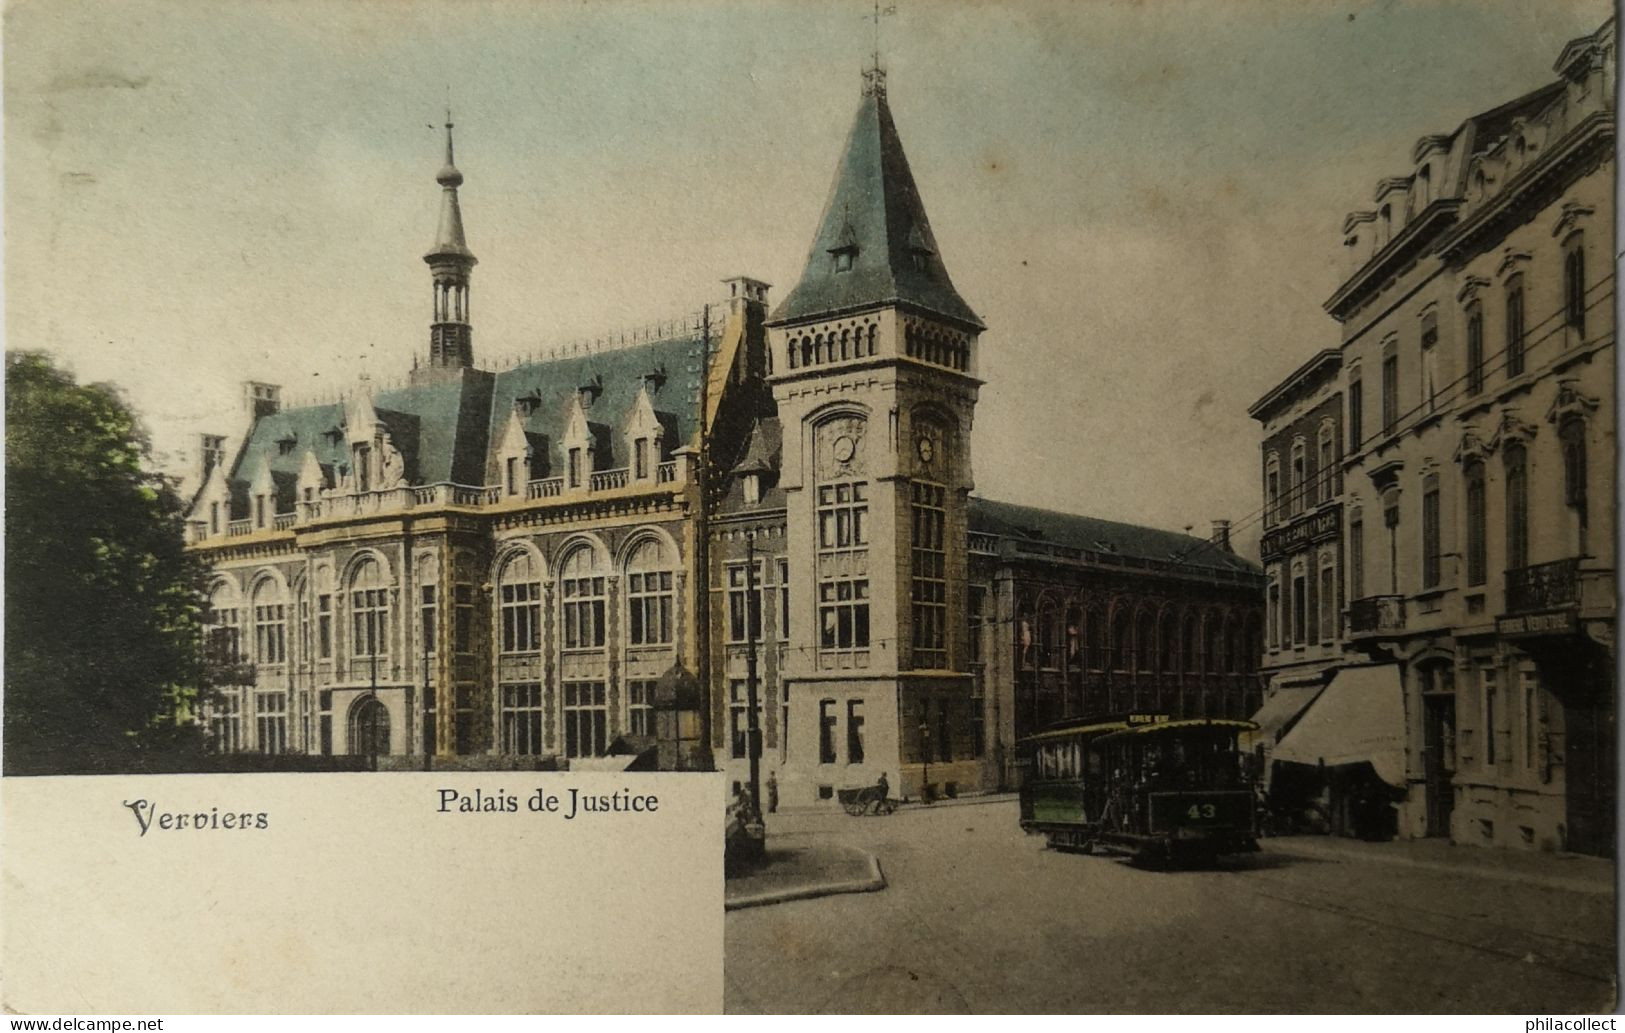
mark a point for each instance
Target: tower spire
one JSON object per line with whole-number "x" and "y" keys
{"x": 451, "y": 337}
{"x": 874, "y": 77}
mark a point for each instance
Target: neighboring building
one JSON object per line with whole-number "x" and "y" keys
{"x": 533, "y": 566}
{"x": 1478, "y": 366}
{"x": 1302, "y": 544}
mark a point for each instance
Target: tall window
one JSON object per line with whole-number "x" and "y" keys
{"x": 1390, "y": 520}
{"x": 1430, "y": 531}
{"x": 1390, "y": 390}
{"x": 513, "y": 475}
{"x": 1328, "y": 461}
{"x": 854, "y": 731}
{"x": 649, "y": 595}
{"x": 1517, "y": 506}
{"x": 640, "y": 707}
{"x": 1328, "y": 602}
{"x": 426, "y": 615}
{"x": 1122, "y": 640}
{"x": 1298, "y": 491}
{"x": 463, "y": 619}
{"x": 369, "y": 612}
{"x": 826, "y": 731}
{"x": 843, "y": 614}
{"x": 226, "y": 723}
{"x": 271, "y": 721}
{"x": 930, "y": 577}
{"x": 520, "y": 595}
{"x": 522, "y": 719}
{"x": 324, "y": 626}
{"x": 1274, "y": 615}
{"x": 1356, "y": 415}
{"x": 270, "y": 624}
{"x": 784, "y": 599}
{"x": 1574, "y": 290}
{"x": 1531, "y": 719}
{"x": 586, "y": 719}
{"x": 1477, "y": 529}
{"x": 1572, "y": 438}
{"x": 1490, "y": 729}
{"x": 581, "y": 587}
{"x": 1475, "y": 348}
{"x": 1515, "y": 327}
{"x": 843, "y": 515}
{"x": 1300, "y": 610}
{"x": 1311, "y": 610}
{"x": 575, "y": 467}
{"x": 745, "y": 602}
{"x": 1272, "y": 489}
{"x": 1356, "y": 573}
{"x": 1430, "y": 360}
{"x": 640, "y": 458}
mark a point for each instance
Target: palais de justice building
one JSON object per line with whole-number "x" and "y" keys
{"x": 521, "y": 567}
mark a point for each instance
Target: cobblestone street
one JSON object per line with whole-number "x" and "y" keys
{"x": 978, "y": 917}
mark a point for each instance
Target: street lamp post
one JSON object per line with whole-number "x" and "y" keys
{"x": 753, "y": 735}
{"x": 925, "y": 758}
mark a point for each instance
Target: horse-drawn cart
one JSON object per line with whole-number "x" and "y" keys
{"x": 866, "y": 800}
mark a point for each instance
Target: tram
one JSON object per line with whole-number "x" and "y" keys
{"x": 1166, "y": 791}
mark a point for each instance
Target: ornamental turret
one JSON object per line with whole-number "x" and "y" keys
{"x": 451, "y": 336}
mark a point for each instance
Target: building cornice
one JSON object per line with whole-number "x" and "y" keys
{"x": 1410, "y": 243}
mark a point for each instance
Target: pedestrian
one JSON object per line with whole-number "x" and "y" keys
{"x": 772, "y": 793}
{"x": 883, "y": 786}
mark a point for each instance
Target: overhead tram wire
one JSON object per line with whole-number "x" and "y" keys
{"x": 1442, "y": 400}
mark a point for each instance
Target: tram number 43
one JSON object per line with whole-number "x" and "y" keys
{"x": 1198, "y": 811}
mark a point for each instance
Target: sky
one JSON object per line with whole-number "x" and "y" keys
{"x": 1142, "y": 200}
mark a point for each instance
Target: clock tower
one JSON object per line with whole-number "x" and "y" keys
{"x": 874, "y": 361}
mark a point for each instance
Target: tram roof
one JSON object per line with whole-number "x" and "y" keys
{"x": 1186, "y": 724}
{"x": 1068, "y": 731}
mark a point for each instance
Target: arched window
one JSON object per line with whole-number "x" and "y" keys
{"x": 1146, "y": 639}
{"x": 519, "y": 593}
{"x": 1477, "y": 519}
{"x": 581, "y": 589}
{"x": 1571, "y": 438}
{"x": 1122, "y": 644}
{"x": 1191, "y": 642}
{"x": 1475, "y": 348}
{"x": 1514, "y": 327}
{"x": 369, "y": 612}
{"x": 224, "y": 646}
{"x": 369, "y": 728}
{"x": 1574, "y": 287}
{"x": 1094, "y": 629}
{"x": 1517, "y": 505}
{"x": 649, "y": 595}
{"x": 1298, "y": 491}
{"x": 1272, "y": 488}
{"x": 1210, "y": 644}
{"x": 1327, "y": 460}
{"x": 270, "y": 623}
{"x": 1170, "y": 642}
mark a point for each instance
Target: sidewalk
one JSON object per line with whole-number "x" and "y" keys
{"x": 802, "y": 872}
{"x": 1573, "y": 872}
{"x": 829, "y": 807}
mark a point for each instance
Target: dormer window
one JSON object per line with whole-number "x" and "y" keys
{"x": 286, "y": 445}
{"x": 640, "y": 459}
{"x": 363, "y": 467}
{"x": 752, "y": 485}
{"x": 575, "y": 467}
{"x": 512, "y": 473}
{"x": 843, "y": 259}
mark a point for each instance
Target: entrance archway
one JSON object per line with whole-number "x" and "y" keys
{"x": 369, "y": 728}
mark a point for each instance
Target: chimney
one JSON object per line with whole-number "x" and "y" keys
{"x": 1221, "y": 535}
{"x": 213, "y": 452}
{"x": 262, "y": 399}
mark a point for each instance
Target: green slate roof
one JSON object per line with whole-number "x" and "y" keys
{"x": 874, "y": 213}
{"x": 1026, "y": 523}
{"x": 445, "y": 430}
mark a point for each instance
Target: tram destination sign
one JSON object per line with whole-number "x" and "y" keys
{"x": 1321, "y": 525}
{"x": 1525, "y": 625}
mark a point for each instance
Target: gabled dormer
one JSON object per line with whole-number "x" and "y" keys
{"x": 211, "y": 509}
{"x": 578, "y": 444}
{"x": 313, "y": 480}
{"x": 644, "y": 436}
{"x": 513, "y": 455}
{"x": 261, "y": 495}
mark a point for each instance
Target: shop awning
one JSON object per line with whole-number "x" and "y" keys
{"x": 1281, "y": 709}
{"x": 1359, "y": 717}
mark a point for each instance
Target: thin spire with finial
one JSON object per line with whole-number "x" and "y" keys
{"x": 874, "y": 77}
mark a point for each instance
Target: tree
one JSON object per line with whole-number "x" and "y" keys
{"x": 104, "y": 605}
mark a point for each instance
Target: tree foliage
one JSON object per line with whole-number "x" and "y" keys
{"x": 103, "y": 603}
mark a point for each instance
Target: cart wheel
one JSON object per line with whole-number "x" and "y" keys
{"x": 854, "y": 809}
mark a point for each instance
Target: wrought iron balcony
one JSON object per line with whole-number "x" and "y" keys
{"x": 1377, "y": 615}
{"x": 1544, "y": 586}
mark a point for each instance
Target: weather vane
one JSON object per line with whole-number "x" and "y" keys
{"x": 874, "y": 77}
